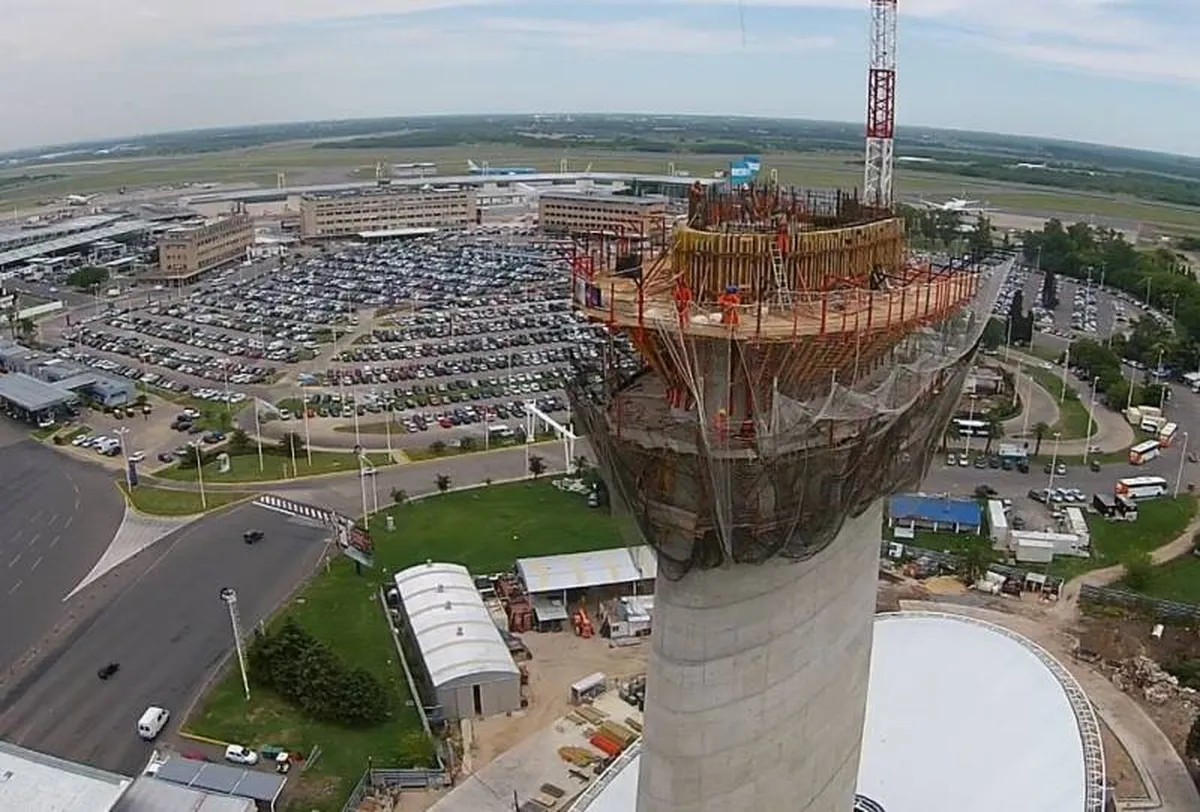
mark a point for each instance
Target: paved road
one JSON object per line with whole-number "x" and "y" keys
{"x": 58, "y": 516}
{"x": 165, "y": 626}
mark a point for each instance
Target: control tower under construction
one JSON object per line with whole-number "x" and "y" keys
{"x": 798, "y": 366}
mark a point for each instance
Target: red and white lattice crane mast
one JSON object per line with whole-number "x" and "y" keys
{"x": 881, "y": 106}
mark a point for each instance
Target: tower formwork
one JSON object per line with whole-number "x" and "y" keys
{"x": 798, "y": 366}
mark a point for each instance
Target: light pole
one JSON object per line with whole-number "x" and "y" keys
{"x": 1066, "y": 365}
{"x": 257, "y": 431}
{"x": 229, "y": 598}
{"x": 307, "y": 434}
{"x": 387, "y": 426}
{"x": 1054, "y": 461}
{"x": 1182, "y": 460}
{"x": 225, "y": 373}
{"x": 1162, "y": 386}
{"x": 365, "y": 469}
{"x": 121, "y": 432}
{"x": 200, "y": 474}
{"x": 1091, "y": 420}
{"x": 971, "y": 429}
{"x": 1028, "y": 405}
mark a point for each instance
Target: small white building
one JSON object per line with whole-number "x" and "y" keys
{"x": 997, "y": 524}
{"x": 550, "y": 578}
{"x": 1028, "y": 545}
{"x": 627, "y": 616}
{"x": 464, "y": 660}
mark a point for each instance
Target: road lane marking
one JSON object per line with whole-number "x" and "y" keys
{"x": 33, "y": 540}
{"x": 68, "y": 522}
{"x": 15, "y": 587}
{"x": 54, "y": 541}
{"x": 33, "y": 519}
{"x": 13, "y": 563}
{"x": 53, "y": 519}
{"x": 35, "y": 564}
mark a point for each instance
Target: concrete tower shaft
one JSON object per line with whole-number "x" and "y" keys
{"x": 797, "y": 368}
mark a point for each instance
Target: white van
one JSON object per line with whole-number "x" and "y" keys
{"x": 152, "y": 722}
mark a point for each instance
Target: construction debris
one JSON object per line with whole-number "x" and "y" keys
{"x": 1143, "y": 676}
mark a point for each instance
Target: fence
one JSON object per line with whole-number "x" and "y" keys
{"x": 394, "y": 779}
{"x": 1167, "y": 610}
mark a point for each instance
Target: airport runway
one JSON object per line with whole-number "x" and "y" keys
{"x": 58, "y": 516}
{"x": 167, "y": 628}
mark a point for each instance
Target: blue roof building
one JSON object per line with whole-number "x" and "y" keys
{"x": 937, "y": 513}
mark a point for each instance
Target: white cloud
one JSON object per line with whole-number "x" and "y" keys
{"x": 655, "y": 36}
{"x": 1109, "y": 37}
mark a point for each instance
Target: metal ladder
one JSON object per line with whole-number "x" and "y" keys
{"x": 781, "y": 289}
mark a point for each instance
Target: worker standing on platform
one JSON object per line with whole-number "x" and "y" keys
{"x": 721, "y": 425}
{"x": 683, "y": 300}
{"x": 730, "y": 301}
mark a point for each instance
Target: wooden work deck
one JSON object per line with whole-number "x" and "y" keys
{"x": 618, "y": 302}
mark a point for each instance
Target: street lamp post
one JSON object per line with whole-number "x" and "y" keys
{"x": 1054, "y": 461}
{"x": 257, "y": 432}
{"x": 229, "y": 598}
{"x": 200, "y": 474}
{"x": 971, "y": 429}
{"x": 121, "y": 432}
{"x": 365, "y": 469}
{"x": 1182, "y": 460}
{"x": 1062, "y": 396}
{"x": 1091, "y": 420}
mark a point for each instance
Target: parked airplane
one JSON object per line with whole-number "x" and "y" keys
{"x": 80, "y": 200}
{"x": 476, "y": 169}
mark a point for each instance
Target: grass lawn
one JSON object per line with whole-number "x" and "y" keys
{"x": 163, "y": 502}
{"x": 1072, "y": 412}
{"x": 484, "y": 529}
{"x": 1177, "y": 580}
{"x": 952, "y": 543}
{"x": 244, "y": 467}
{"x": 1159, "y": 522}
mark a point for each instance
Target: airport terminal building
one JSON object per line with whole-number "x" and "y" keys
{"x": 186, "y": 253}
{"x": 355, "y": 212}
{"x": 576, "y": 211}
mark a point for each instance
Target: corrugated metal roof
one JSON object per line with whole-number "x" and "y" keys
{"x": 555, "y": 573}
{"x": 66, "y": 243}
{"x": 31, "y": 394}
{"x": 32, "y": 780}
{"x": 222, "y": 780}
{"x": 149, "y": 794}
{"x": 935, "y": 509}
{"x": 453, "y": 629}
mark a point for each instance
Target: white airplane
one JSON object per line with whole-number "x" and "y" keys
{"x": 80, "y": 200}
{"x": 958, "y": 204}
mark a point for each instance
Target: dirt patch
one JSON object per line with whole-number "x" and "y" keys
{"x": 1119, "y": 638}
{"x": 559, "y": 660}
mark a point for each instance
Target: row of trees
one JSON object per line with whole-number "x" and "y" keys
{"x": 942, "y": 229}
{"x": 1161, "y": 277}
{"x": 306, "y": 672}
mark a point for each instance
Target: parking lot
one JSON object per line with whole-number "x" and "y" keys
{"x": 440, "y": 332}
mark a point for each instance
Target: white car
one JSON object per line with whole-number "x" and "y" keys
{"x": 137, "y": 456}
{"x": 240, "y": 755}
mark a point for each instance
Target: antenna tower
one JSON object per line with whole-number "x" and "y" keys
{"x": 881, "y": 106}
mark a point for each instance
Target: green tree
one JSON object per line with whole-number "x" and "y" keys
{"x": 973, "y": 563}
{"x": 466, "y": 444}
{"x": 437, "y": 448}
{"x": 537, "y": 465}
{"x": 1050, "y": 290}
{"x": 995, "y": 432}
{"x": 87, "y": 277}
{"x": 1039, "y": 433}
{"x": 1192, "y": 747}
{"x": 26, "y": 329}
{"x": 443, "y": 482}
{"x": 994, "y": 333}
{"x": 979, "y": 240}
{"x": 291, "y": 443}
{"x": 399, "y": 496}
{"x": 239, "y": 442}
{"x": 1139, "y": 570}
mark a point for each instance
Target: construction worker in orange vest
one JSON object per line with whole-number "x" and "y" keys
{"x": 729, "y": 301}
{"x": 683, "y": 300}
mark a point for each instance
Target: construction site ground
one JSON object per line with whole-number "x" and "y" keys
{"x": 520, "y": 752}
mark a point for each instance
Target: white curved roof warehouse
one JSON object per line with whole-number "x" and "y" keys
{"x": 460, "y": 646}
{"x": 961, "y": 715}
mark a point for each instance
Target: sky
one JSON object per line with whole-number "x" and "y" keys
{"x": 1122, "y": 72}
